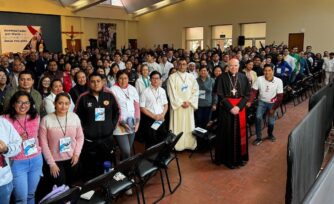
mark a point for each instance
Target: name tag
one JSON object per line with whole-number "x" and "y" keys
{"x": 29, "y": 147}
{"x": 99, "y": 114}
{"x": 184, "y": 87}
{"x": 65, "y": 144}
{"x": 278, "y": 70}
{"x": 156, "y": 124}
{"x": 202, "y": 94}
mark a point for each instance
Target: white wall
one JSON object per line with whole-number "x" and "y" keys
{"x": 282, "y": 17}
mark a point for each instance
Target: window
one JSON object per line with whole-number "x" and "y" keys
{"x": 255, "y": 34}
{"x": 222, "y": 35}
{"x": 194, "y": 38}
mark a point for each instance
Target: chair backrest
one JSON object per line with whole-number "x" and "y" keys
{"x": 153, "y": 152}
{"x": 128, "y": 166}
{"x": 71, "y": 195}
{"x": 102, "y": 180}
{"x": 173, "y": 140}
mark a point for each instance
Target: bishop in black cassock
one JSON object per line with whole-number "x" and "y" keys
{"x": 232, "y": 89}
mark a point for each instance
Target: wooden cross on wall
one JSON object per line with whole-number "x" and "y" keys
{"x": 71, "y": 34}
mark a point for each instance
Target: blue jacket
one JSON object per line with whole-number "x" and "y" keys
{"x": 281, "y": 67}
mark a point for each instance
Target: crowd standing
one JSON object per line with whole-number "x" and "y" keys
{"x": 68, "y": 111}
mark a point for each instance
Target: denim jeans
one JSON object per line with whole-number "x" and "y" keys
{"x": 125, "y": 143}
{"x": 26, "y": 176}
{"x": 262, "y": 108}
{"x": 5, "y": 192}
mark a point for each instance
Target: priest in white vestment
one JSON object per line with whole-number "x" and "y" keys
{"x": 183, "y": 91}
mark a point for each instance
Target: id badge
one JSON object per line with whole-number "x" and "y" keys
{"x": 184, "y": 87}
{"x": 278, "y": 70}
{"x": 29, "y": 147}
{"x": 202, "y": 94}
{"x": 65, "y": 144}
{"x": 156, "y": 124}
{"x": 99, "y": 114}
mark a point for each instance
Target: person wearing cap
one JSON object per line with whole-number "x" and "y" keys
{"x": 328, "y": 66}
{"x": 232, "y": 90}
{"x": 270, "y": 90}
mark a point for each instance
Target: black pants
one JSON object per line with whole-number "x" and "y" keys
{"x": 67, "y": 173}
{"x": 152, "y": 136}
{"x": 94, "y": 154}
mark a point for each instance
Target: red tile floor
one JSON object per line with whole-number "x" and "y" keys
{"x": 262, "y": 180}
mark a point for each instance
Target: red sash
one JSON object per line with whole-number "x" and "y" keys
{"x": 242, "y": 122}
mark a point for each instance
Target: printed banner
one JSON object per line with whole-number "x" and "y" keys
{"x": 106, "y": 36}
{"x": 19, "y": 38}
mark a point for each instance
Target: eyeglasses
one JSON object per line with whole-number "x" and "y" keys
{"x": 20, "y": 103}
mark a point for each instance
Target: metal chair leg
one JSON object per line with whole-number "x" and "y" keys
{"x": 180, "y": 178}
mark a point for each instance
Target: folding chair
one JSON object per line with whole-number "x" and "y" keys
{"x": 112, "y": 186}
{"x": 71, "y": 195}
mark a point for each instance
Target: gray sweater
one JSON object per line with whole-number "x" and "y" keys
{"x": 206, "y": 97}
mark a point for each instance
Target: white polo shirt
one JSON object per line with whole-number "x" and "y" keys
{"x": 126, "y": 98}
{"x": 153, "y": 99}
{"x": 268, "y": 90}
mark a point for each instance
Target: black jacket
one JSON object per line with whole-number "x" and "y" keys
{"x": 85, "y": 109}
{"x": 76, "y": 91}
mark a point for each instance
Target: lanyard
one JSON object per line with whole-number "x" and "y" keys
{"x": 183, "y": 80}
{"x": 146, "y": 82}
{"x": 127, "y": 95}
{"x": 23, "y": 127}
{"x": 156, "y": 97}
{"x": 64, "y": 131}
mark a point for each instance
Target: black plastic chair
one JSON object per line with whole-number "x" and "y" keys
{"x": 71, "y": 195}
{"x": 168, "y": 156}
{"x": 208, "y": 137}
{"x": 147, "y": 168}
{"x": 113, "y": 188}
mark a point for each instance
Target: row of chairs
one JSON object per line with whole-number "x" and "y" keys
{"x": 132, "y": 173}
{"x": 305, "y": 87}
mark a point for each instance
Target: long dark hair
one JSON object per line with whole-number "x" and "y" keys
{"x": 40, "y": 85}
{"x": 11, "y": 110}
{"x": 6, "y": 75}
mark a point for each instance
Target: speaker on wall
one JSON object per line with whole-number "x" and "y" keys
{"x": 93, "y": 43}
{"x": 241, "y": 40}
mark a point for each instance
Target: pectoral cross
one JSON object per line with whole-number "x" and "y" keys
{"x": 234, "y": 91}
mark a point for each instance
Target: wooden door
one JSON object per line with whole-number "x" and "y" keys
{"x": 76, "y": 47}
{"x": 296, "y": 40}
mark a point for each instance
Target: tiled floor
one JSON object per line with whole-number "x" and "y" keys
{"x": 262, "y": 180}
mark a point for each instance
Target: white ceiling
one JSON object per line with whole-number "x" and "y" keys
{"x": 136, "y": 7}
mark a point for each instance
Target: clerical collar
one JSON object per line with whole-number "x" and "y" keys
{"x": 236, "y": 74}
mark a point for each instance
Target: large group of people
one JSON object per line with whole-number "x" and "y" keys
{"x": 66, "y": 112}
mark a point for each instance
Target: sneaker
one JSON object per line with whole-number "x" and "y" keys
{"x": 128, "y": 192}
{"x": 257, "y": 141}
{"x": 272, "y": 138}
